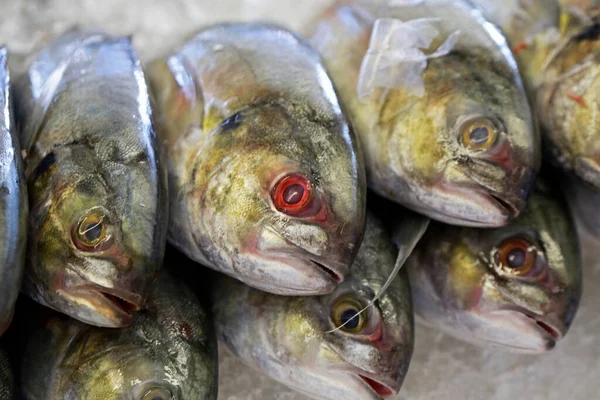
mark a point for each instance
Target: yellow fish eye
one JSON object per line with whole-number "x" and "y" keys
{"x": 157, "y": 394}
{"x": 343, "y": 311}
{"x": 479, "y": 134}
{"x": 90, "y": 233}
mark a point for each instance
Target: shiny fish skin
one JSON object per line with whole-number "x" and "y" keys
{"x": 559, "y": 57}
{"x": 13, "y": 202}
{"x": 285, "y": 337}
{"x": 462, "y": 283}
{"x": 97, "y": 226}
{"x": 414, "y": 148}
{"x": 170, "y": 347}
{"x": 243, "y": 106}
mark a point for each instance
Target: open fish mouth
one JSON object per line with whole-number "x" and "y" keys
{"x": 378, "y": 387}
{"x": 327, "y": 270}
{"x": 551, "y": 330}
{"x": 107, "y": 306}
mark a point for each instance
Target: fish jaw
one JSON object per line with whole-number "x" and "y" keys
{"x": 296, "y": 270}
{"x": 472, "y": 206}
{"x": 532, "y": 333}
{"x": 101, "y": 306}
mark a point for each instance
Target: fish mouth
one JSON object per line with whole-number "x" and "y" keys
{"x": 511, "y": 209}
{"x": 533, "y": 333}
{"x": 381, "y": 389}
{"x": 327, "y": 270}
{"x": 106, "y": 307}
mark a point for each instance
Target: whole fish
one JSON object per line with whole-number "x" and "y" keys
{"x": 7, "y": 386}
{"x": 168, "y": 353}
{"x": 267, "y": 183}
{"x": 290, "y": 338}
{"x": 13, "y": 202}
{"x": 98, "y": 220}
{"x": 516, "y": 288}
{"x": 438, "y": 104}
{"x": 559, "y": 56}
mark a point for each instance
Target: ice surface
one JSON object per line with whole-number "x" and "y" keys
{"x": 442, "y": 368}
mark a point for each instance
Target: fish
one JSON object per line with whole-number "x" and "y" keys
{"x": 97, "y": 188}
{"x": 169, "y": 352}
{"x": 7, "y": 386}
{"x": 438, "y": 105}
{"x": 301, "y": 341}
{"x": 13, "y": 201}
{"x": 267, "y": 179}
{"x": 515, "y": 288}
{"x": 558, "y": 52}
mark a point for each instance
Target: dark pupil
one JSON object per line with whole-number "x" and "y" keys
{"x": 479, "y": 135}
{"x": 347, "y": 316}
{"x": 293, "y": 194}
{"x": 516, "y": 258}
{"x": 93, "y": 231}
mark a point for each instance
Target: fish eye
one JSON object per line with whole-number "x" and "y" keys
{"x": 344, "y": 312}
{"x": 293, "y": 194}
{"x": 90, "y": 233}
{"x": 157, "y": 394}
{"x": 516, "y": 256}
{"x": 479, "y": 134}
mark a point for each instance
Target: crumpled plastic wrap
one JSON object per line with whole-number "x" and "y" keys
{"x": 395, "y": 57}
{"x": 442, "y": 368}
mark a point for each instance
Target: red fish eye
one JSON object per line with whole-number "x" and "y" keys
{"x": 293, "y": 194}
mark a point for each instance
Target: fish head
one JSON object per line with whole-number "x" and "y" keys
{"x": 369, "y": 356}
{"x": 94, "y": 249}
{"x": 568, "y": 104}
{"x": 516, "y": 288}
{"x": 470, "y": 141}
{"x": 168, "y": 353}
{"x": 280, "y": 203}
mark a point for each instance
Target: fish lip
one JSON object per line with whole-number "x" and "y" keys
{"x": 122, "y": 303}
{"x": 330, "y": 270}
{"x": 382, "y": 390}
{"x": 494, "y": 208}
{"x": 512, "y": 210}
{"x": 551, "y": 332}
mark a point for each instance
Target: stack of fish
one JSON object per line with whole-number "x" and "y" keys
{"x": 250, "y": 149}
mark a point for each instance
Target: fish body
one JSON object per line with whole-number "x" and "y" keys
{"x": 438, "y": 105}
{"x": 515, "y": 288}
{"x": 13, "y": 202}
{"x": 267, "y": 182}
{"x": 287, "y": 338}
{"x": 584, "y": 201}
{"x": 558, "y": 52}
{"x": 97, "y": 191}
{"x": 168, "y": 353}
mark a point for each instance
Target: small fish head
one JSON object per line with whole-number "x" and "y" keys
{"x": 515, "y": 288}
{"x": 367, "y": 358}
{"x": 474, "y": 146}
{"x": 569, "y": 108}
{"x": 168, "y": 353}
{"x": 89, "y": 257}
{"x": 283, "y": 209}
